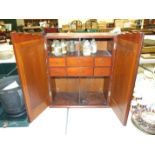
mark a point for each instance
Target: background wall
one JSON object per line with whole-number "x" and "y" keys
{"x": 20, "y": 22}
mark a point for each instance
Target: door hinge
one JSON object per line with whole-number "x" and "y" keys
{"x": 114, "y": 46}
{"x": 109, "y": 93}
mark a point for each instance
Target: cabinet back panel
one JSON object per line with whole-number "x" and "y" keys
{"x": 74, "y": 84}
{"x": 101, "y": 45}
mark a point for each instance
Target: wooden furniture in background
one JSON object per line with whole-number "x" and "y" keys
{"x": 35, "y": 22}
{"x": 105, "y": 79}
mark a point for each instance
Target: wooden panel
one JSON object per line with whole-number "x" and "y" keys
{"x": 124, "y": 72}
{"x": 79, "y": 35}
{"x": 32, "y": 69}
{"x": 110, "y": 46}
{"x": 101, "y": 45}
{"x": 70, "y": 85}
{"x": 106, "y": 88}
{"x": 20, "y": 37}
{"x": 73, "y": 84}
{"x": 57, "y": 62}
{"x": 80, "y": 71}
{"x": 57, "y": 71}
{"x": 80, "y": 61}
{"x": 103, "y": 61}
{"x": 91, "y": 84}
{"x": 102, "y": 71}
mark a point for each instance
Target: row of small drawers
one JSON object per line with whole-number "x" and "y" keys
{"x": 80, "y": 62}
{"x": 79, "y": 71}
{"x": 80, "y": 66}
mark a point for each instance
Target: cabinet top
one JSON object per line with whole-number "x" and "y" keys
{"x": 79, "y": 35}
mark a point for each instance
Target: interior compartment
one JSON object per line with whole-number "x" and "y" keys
{"x": 78, "y": 79}
{"x": 79, "y": 91}
{"x": 104, "y": 46}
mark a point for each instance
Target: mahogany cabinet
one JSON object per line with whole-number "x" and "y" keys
{"x": 103, "y": 79}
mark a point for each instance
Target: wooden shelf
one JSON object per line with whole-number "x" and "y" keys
{"x": 80, "y": 35}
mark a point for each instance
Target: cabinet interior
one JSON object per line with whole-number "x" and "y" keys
{"x": 78, "y": 80}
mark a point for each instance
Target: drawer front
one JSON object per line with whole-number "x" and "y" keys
{"x": 57, "y": 71}
{"x": 80, "y": 71}
{"x": 102, "y": 71}
{"x": 105, "y": 61}
{"x": 80, "y": 61}
{"x": 57, "y": 62}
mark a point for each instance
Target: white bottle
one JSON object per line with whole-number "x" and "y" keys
{"x": 57, "y": 49}
{"x": 93, "y": 46}
{"x": 86, "y": 48}
{"x": 63, "y": 46}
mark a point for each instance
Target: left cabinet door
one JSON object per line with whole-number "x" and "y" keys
{"x": 31, "y": 61}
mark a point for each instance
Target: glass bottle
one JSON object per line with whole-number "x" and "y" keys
{"x": 86, "y": 46}
{"x": 63, "y": 47}
{"x": 93, "y": 46}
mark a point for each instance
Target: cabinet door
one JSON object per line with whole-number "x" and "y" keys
{"x": 125, "y": 65}
{"x": 31, "y": 62}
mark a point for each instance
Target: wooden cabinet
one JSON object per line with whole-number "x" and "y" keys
{"x": 103, "y": 79}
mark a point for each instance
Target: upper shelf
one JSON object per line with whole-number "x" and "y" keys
{"x": 79, "y": 35}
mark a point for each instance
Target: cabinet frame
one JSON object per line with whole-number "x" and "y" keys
{"x": 122, "y": 47}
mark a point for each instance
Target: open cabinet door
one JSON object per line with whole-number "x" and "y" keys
{"x": 32, "y": 69}
{"x": 125, "y": 65}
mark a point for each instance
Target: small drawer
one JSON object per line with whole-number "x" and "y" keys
{"x": 57, "y": 71}
{"x": 80, "y": 71}
{"x": 80, "y": 61}
{"x": 57, "y": 62}
{"x": 103, "y": 61}
{"x": 102, "y": 71}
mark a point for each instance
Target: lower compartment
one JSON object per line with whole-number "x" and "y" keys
{"x": 79, "y": 92}
{"x": 75, "y": 99}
